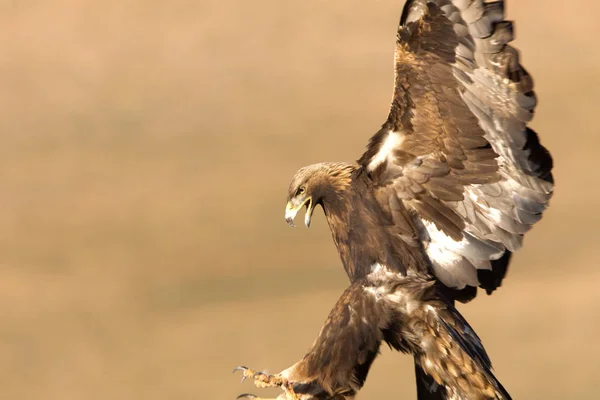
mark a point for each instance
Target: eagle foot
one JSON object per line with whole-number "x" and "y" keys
{"x": 263, "y": 380}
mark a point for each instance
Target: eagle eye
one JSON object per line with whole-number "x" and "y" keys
{"x": 300, "y": 190}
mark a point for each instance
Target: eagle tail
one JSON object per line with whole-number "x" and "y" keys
{"x": 459, "y": 332}
{"x": 427, "y": 387}
{"x": 472, "y": 355}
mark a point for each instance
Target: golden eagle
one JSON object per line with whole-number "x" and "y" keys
{"x": 431, "y": 211}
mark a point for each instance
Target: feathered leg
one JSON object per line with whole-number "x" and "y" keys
{"x": 338, "y": 362}
{"x": 408, "y": 313}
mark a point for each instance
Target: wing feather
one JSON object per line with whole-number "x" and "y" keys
{"x": 455, "y": 147}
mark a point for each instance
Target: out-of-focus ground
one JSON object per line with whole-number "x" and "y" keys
{"x": 145, "y": 153}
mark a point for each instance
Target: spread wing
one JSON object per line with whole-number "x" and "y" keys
{"x": 455, "y": 147}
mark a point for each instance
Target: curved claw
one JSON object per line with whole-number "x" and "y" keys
{"x": 243, "y": 369}
{"x": 246, "y": 396}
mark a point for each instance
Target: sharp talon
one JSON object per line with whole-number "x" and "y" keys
{"x": 243, "y": 369}
{"x": 246, "y": 396}
{"x": 240, "y": 368}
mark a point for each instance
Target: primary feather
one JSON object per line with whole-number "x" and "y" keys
{"x": 455, "y": 147}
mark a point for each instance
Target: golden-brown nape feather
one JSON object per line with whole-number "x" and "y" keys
{"x": 335, "y": 176}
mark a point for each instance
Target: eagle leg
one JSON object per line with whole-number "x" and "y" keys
{"x": 263, "y": 380}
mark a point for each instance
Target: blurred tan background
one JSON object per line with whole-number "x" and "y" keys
{"x": 145, "y": 153}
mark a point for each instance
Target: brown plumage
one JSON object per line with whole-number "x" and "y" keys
{"x": 432, "y": 210}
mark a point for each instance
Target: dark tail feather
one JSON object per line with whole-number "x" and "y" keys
{"x": 459, "y": 329}
{"x": 427, "y": 387}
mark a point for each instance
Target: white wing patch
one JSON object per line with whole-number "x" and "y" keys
{"x": 455, "y": 263}
{"x": 448, "y": 265}
{"x": 393, "y": 140}
{"x": 442, "y": 248}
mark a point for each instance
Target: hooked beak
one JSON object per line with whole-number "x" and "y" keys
{"x": 291, "y": 211}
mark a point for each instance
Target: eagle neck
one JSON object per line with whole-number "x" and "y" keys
{"x": 348, "y": 222}
{"x": 336, "y": 207}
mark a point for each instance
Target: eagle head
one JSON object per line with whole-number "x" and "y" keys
{"x": 313, "y": 184}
